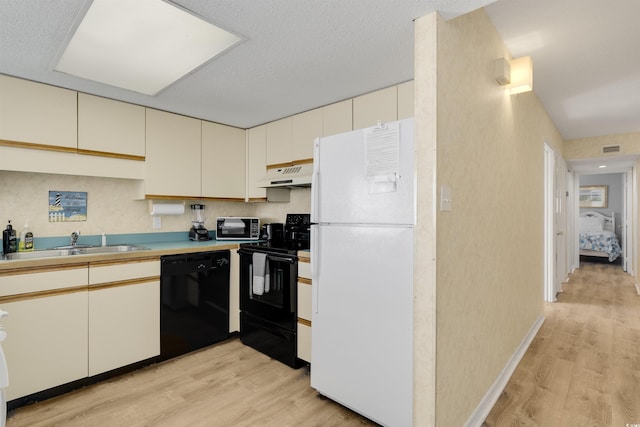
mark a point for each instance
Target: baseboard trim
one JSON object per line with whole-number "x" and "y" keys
{"x": 486, "y": 404}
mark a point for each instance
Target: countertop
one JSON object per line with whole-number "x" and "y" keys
{"x": 156, "y": 249}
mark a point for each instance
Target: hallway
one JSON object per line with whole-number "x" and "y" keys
{"x": 583, "y": 367}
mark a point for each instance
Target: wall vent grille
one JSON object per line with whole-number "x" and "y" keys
{"x": 610, "y": 149}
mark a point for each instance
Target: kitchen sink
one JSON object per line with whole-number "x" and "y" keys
{"x": 74, "y": 250}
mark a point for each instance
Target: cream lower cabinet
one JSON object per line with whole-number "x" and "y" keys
{"x": 124, "y": 313}
{"x": 304, "y": 309}
{"x": 47, "y": 332}
{"x": 234, "y": 291}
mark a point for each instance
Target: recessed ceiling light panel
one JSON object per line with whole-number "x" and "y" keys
{"x": 141, "y": 45}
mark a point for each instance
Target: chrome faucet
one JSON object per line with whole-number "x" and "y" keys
{"x": 74, "y": 237}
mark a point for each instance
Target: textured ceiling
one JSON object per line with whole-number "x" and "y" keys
{"x": 301, "y": 54}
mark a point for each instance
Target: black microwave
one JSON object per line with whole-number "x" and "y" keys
{"x": 237, "y": 228}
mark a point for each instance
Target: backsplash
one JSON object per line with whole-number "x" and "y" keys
{"x": 112, "y": 207}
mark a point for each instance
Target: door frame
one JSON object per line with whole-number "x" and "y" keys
{"x": 625, "y": 165}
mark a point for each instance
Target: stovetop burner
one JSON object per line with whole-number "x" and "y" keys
{"x": 296, "y": 237}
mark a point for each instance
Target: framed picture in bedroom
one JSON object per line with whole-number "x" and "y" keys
{"x": 593, "y": 196}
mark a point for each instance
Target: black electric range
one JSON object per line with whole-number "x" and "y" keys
{"x": 268, "y": 291}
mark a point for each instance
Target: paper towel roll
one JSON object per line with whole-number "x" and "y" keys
{"x": 167, "y": 209}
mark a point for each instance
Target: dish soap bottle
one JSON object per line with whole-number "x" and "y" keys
{"x": 9, "y": 241}
{"x": 26, "y": 238}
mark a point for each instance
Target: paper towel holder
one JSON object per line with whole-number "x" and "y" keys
{"x": 166, "y": 208}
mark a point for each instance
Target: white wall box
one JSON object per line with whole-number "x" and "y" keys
{"x": 38, "y": 115}
{"x": 381, "y": 105}
{"x": 108, "y": 127}
{"x": 223, "y": 161}
{"x": 173, "y": 155}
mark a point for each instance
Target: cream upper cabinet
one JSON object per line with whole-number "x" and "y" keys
{"x": 279, "y": 140}
{"x": 35, "y": 113}
{"x": 173, "y": 155}
{"x": 306, "y": 127}
{"x": 381, "y": 105}
{"x": 47, "y": 332}
{"x": 223, "y": 161}
{"x": 337, "y": 118}
{"x": 405, "y": 100}
{"x": 256, "y": 162}
{"x": 108, "y": 126}
{"x": 124, "y": 313}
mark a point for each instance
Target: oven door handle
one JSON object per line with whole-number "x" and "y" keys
{"x": 281, "y": 259}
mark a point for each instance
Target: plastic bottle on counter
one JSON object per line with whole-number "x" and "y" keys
{"x": 9, "y": 241}
{"x": 26, "y": 238}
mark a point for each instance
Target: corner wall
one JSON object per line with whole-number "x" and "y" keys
{"x": 489, "y": 247}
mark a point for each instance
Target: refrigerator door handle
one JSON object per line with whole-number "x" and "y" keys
{"x": 315, "y": 180}
{"x": 315, "y": 265}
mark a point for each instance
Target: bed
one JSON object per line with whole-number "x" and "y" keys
{"x": 597, "y": 235}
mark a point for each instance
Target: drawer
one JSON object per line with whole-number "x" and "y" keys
{"x": 43, "y": 280}
{"x": 304, "y": 301}
{"x": 123, "y": 271}
{"x": 304, "y": 270}
{"x": 304, "y": 342}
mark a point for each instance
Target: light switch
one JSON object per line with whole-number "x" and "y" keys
{"x": 157, "y": 221}
{"x": 445, "y": 198}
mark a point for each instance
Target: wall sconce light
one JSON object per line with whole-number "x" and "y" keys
{"x": 516, "y": 75}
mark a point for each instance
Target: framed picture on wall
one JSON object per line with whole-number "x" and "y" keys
{"x": 593, "y": 196}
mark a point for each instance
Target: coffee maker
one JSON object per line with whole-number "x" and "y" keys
{"x": 198, "y": 231}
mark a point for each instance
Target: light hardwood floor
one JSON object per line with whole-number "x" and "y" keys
{"x": 228, "y": 384}
{"x": 583, "y": 367}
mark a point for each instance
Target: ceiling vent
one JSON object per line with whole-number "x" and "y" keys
{"x": 610, "y": 149}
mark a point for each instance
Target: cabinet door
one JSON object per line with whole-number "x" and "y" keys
{"x": 234, "y": 292}
{"x": 279, "y": 139}
{"x": 124, "y": 325}
{"x": 173, "y": 155}
{"x": 108, "y": 126}
{"x": 256, "y": 162}
{"x": 337, "y": 118}
{"x": 306, "y": 127}
{"x": 304, "y": 310}
{"x": 405, "y": 100}
{"x": 370, "y": 108}
{"x": 223, "y": 161}
{"x": 36, "y": 113}
{"x": 46, "y": 343}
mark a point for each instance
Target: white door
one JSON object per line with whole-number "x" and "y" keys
{"x": 560, "y": 223}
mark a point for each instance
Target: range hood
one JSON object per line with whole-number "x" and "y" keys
{"x": 288, "y": 176}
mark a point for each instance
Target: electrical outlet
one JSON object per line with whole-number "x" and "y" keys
{"x": 157, "y": 221}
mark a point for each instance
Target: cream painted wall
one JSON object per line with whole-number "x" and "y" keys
{"x": 590, "y": 148}
{"x": 112, "y": 206}
{"x": 489, "y": 247}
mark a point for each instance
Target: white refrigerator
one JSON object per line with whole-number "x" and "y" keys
{"x": 363, "y": 214}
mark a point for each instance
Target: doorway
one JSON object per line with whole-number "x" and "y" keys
{"x": 619, "y": 174}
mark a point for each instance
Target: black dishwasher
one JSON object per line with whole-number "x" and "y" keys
{"x": 194, "y": 301}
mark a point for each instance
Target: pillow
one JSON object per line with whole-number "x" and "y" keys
{"x": 591, "y": 223}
